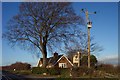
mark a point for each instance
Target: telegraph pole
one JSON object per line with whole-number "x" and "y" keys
{"x": 89, "y": 25}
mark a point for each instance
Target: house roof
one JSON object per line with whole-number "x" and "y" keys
{"x": 54, "y": 60}
{"x": 66, "y": 59}
{"x": 50, "y": 60}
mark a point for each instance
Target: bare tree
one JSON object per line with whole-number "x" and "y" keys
{"x": 82, "y": 46}
{"x": 43, "y": 27}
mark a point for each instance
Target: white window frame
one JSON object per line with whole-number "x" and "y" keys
{"x": 62, "y": 65}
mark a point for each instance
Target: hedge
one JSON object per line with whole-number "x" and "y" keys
{"x": 54, "y": 71}
{"x": 38, "y": 70}
{"x": 51, "y": 71}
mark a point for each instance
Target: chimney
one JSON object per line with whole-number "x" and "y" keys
{"x": 55, "y": 55}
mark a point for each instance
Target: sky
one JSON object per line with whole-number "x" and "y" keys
{"x": 104, "y": 29}
{"x": 61, "y": 0}
{"x": 0, "y": 34}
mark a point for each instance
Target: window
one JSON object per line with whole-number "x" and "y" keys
{"x": 76, "y": 59}
{"x": 76, "y": 56}
{"x": 62, "y": 65}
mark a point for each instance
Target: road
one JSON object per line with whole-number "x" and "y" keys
{"x": 10, "y": 76}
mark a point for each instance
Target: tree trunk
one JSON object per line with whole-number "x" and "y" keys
{"x": 44, "y": 60}
{"x": 44, "y": 56}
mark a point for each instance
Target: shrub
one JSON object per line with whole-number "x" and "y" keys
{"x": 82, "y": 71}
{"x": 51, "y": 71}
{"x": 65, "y": 72}
{"x": 54, "y": 71}
{"x": 108, "y": 68}
{"x": 39, "y": 70}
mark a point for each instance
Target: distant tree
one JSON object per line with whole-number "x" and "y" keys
{"x": 44, "y": 26}
{"x": 20, "y": 66}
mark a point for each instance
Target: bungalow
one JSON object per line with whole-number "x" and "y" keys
{"x": 60, "y": 61}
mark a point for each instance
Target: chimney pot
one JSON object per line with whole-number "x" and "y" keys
{"x": 55, "y": 54}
